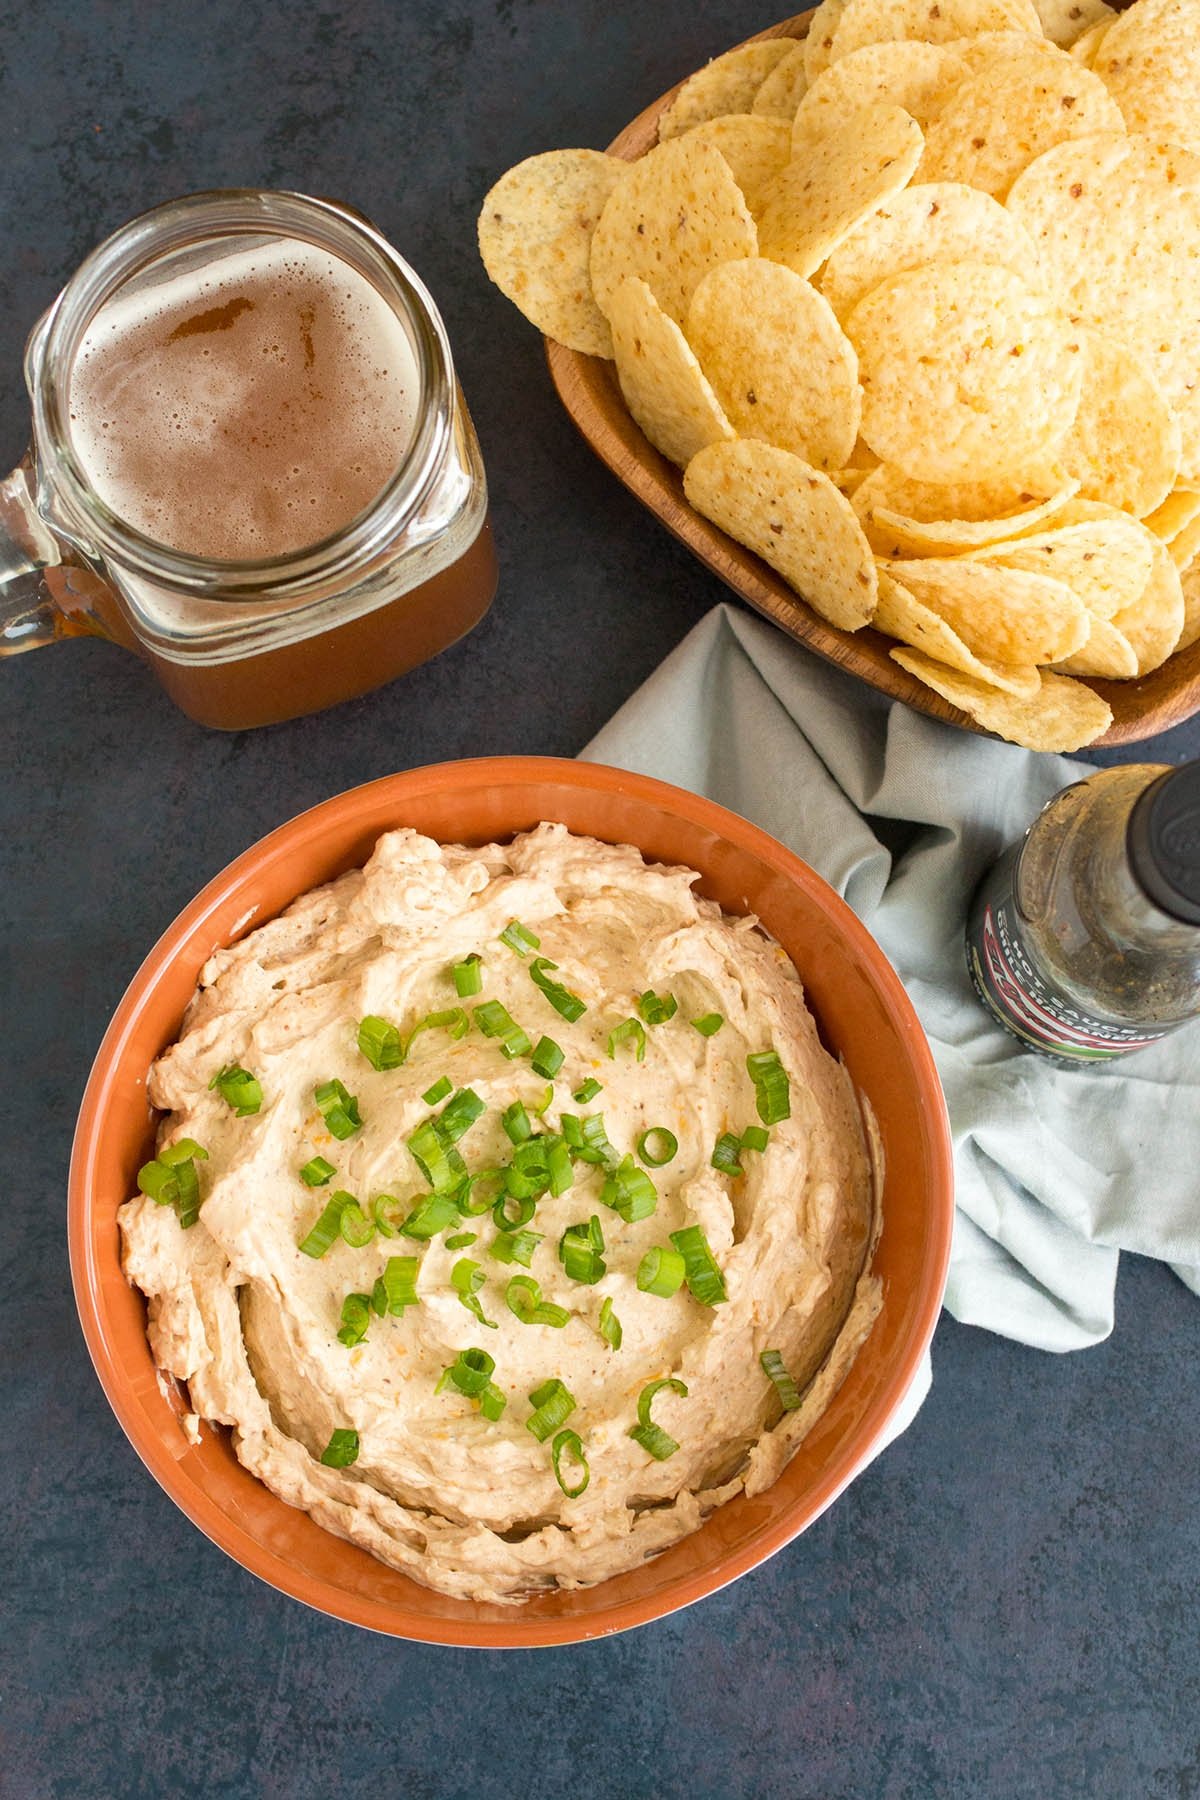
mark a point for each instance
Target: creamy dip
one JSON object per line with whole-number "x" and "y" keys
{"x": 463, "y": 1503}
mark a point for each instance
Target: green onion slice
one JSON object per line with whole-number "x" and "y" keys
{"x": 471, "y": 1373}
{"x": 355, "y": 1226}
{"x": 511, "y": 1213}
{"x": 656, "y": 1009}
{"x": 523, "y": 1297}
{"x": 338, "y": 1109}
{"x": 630, "y": 1192}
{"x": 171, "y": 1179}
{"x": 657, "y": 1146}
{"x": 459, "y": 1114}
{"x": 528, "y": 1174}
{"x": 459, "y": 1240}
{"x": 653, "y": 1439}
{"x": 581, "y": 1251}
{"x": 587, "y": 1139}
{"x": 566, "y": 1004}
{"x": 380, "y": 1042}
{"x": 661, "y": 1272}
{"x": 552, "y": 1405}
{"x": 468, "y": 976}
{"x": 356, "y": 1316}
{"x": 518, "y": 937}
{"x": 610, "y": 1326}
{"x": 515, "y": 1121}
{"x": 628, "y": 1028}
{"x": 438, "y": 1091}
{"x": 495, "y": 1021}
{"x": 548, "y": 1058}
{"x": 389, "y": 1214}
{"x": 755, "y": 1137}
{"x": 466, "y": 1278}
{"x": 452, "y": 1019}
{"x": 479, "y": 1193}
{"x": 772, "y": 1094}
{"x": 327, "y": 1226}
{"x": 785, "y": 1387}
{"x": 183, "y": 1150}
{"x": 544, "y": 1102}
{"x": 238, "y": 1088}
{"x": 570, "y": 1443}
{"x": 492, "y": 1402}
{"x": 515, "y": 1246}
{"x": 316, "y": 1172}
{"x": 588, "y": 1091}
{"x": 341, "y": 1450}
{"x": 558, "y": 1162}
{"x": 701, "y": 1272}
{"x": 432, "y": 1213}
{"x": 726, "y": 1152}
{"x": 438, "y": 1161}
{"x": 709, "y": 1024}
{"x": 396, "y": 1288}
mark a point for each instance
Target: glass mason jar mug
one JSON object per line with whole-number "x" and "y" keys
{"x": 251, "y": 462}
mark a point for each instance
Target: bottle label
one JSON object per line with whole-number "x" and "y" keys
{"x": 1011, "y": 988}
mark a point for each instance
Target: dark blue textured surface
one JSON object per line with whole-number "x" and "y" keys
{"x": 1006, "y": 1604}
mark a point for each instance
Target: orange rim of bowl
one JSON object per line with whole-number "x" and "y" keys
{"x": 373, "y": 808}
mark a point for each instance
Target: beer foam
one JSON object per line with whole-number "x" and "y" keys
{"x": 246, "y": 408}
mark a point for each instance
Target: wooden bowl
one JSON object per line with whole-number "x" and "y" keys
{"x": 587, "y": 387}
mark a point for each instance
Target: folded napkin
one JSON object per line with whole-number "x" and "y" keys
{"x": 1057, "y": 1170}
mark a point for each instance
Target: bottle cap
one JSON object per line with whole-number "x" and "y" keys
{"x": 1164, "y": 842}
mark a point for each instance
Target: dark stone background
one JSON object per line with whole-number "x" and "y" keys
{"x": 1006, "y": 1604}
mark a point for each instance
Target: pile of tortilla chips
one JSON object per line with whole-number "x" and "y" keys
{"x": 915, "y": 304}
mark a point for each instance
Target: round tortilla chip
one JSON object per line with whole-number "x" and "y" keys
{"x": 928, "y": 21}
{"x": 1117, "y": 224}
{"x": 728, "y": 84}
{"x": 1003, "y": 615}
{"x": 903, "y": 616}
{"x": 1184, "y": 545}
{"x": 1107, "y": 653}
{"x": 929, "y": 222}
{"x": 535, "y": 236}
{"x": 834, "y": 182}
{"x": 785, "y": 87}
{"x": 1154, "y": 624}
{"x": 755, "y": 149}
{"x": 1179, "y": 508}
{"x": 1063, "y": 715}
{"x": 967, "y": 373}
{"x": 781, "y": 365}
{"x": 794, "y": 518}
{"x": 883, "y": 499}
{"x": 1150, "y": 61}
{"x": 1124, "y": 445}
{"x": 912, "y": 75}
{"x": 1028, "y": 98}
{"x": 1086, "y": 47}
{"x": 677, "y": 215}
{"x": 821, "y": 28}
{"x": 664, "y": 386}
{"x": 1105, "y": 557}
{"x": 1065, "y": 21}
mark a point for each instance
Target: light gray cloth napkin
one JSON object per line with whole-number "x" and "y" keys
{"x": 1057, "y": 1170}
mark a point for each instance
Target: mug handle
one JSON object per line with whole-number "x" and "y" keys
{"x": 43, "y": 596}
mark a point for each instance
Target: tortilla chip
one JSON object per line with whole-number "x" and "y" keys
{"x": 916, "y": 76}
{"x": 903, "y": 616}
{"x": 1086, "y": 47}
{"x": 930, "y": 222}
{"x": 535, "y": 236}
{"x": 1184, "y": 545}
{"x": 678, "y": 214}
{"x": 883, "y": 501}
{"x": 663, "y": 384}
{"x": 1150, "y": 61}
{"x": 817, "y": 45}
{"x": 1065, "y": 21}
{"x": 1124, "y": 445}
{"x": 834, "y": 182}
{"x": 967, "y": 373}
{"x": 1154, "y": 624}
{"x": 1064, "y": 714}
{"x": 1105, "y": 557}
{"x": 755, "y": 149}
{"x": 778, "y": 360}
{"x": 785, "y": 87}
{"x": 1003, "y": 615}
{"x": 1179, "y": 508}
{"x": 928, "y": 21}
{"x": 728, "y": 84}
{"x": 794, "y": 518}
{"x": 1107, "y": 653}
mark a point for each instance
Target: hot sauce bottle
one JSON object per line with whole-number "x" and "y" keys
{"x": 1084, "y": 939}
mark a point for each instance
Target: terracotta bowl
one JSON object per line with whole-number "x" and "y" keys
{"x": 865, "y": 1018}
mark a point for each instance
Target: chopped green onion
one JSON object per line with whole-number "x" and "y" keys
{"x": 588, "y": 1091}
{"x": 544, "y": 1102}
{"x": 653, "y": 1439}
{"x": 380, "y": 1042}
{"x": 661, "y": 1272}
{"x": 438, "y": 1091}
{"x": 171, "y": 1179}
{"x": 466, "y": 1278}
{"x": 587, "y": 1138}
{"x": 396, "y": 1288}
{"x": 558, "y": 1162}
{"x": 495, "y": 1021}
{"x": 515, "y": 1121}
{"x": 610, "y": 1326}
{"x": 460, "y": 1239}
{"x": 725, "y": 1154}
{"x": 569, "y": 1443}
{"x": 523, "y": 1297}
{"x": 438, "y": 1161}
{"x": 755, "y": 1137}
{"x": 528, "y": 1174}
{"x": 328, "y": 1225}
{"x": 785, "y": 1387}
{"x": 518, "y": 937}
{"x": 566, "y": 1004}
{"x": 628, "y": 1028}
{"x": 468, "y": 976}
{"x": 238, "y": 1088}
{"x": 452, "y": 1019}
{"x": 657, "y": 1146}
{"x": 356, "y": 1316}
{"x": 431, "y": 1214}
{"x": 389, "y": 1214}
{"x": 316, "y": 1172}
{"x": 471, "y": 1373}
{"x": 183, "y": 1150}
{"x": 490, "y": 1183}
{"x": 702, "y": 1275}
{"x": 548, "y": 1058}
{"x": 458, "y": 1115}
{"x": 338, "y": 1108}
{"x": 341, "y": 1450}
{"x": 492, "y": 1402}
{"x": 510, "y": 1213}
{"x": 630, "y": 1192}
{"x": 159, "y": 1183}
{"x": 709, "y": 1024}
{"x": 656, "y": 1009}
{"x": 772, "y": 1094}
{"x": 515, "y": 1246}
{"x": 553, "y": 1405}
{"x": 581, "y": 1251}
{"x": 355, "y": 1226}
